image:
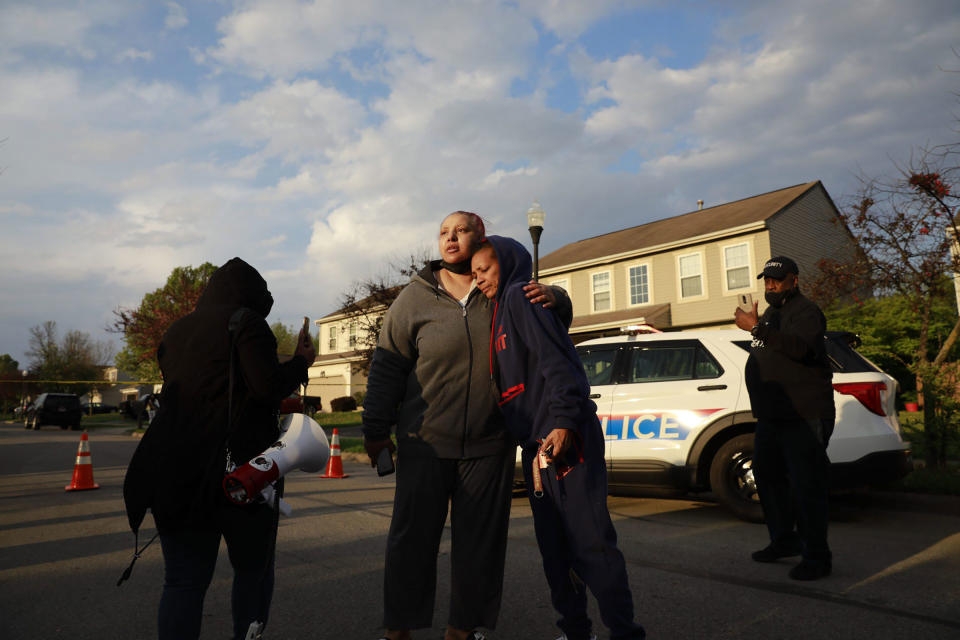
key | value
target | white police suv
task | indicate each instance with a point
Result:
(676, 414)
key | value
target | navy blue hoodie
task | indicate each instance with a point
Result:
(542, 383)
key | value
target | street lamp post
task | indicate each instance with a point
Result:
(23, 391)
(535, 217)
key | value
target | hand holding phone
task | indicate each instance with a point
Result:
(385, 462)
(305, 346)
(745, 302)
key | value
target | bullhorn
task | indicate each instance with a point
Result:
(302, 445)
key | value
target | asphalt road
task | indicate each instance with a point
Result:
(895, 570)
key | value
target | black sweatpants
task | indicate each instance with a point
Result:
(578, 543)
(791, 469)
(190, 556)
(478, 491)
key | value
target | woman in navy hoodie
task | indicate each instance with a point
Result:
(544, 398)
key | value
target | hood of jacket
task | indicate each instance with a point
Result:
(237, 284)
(514, 261)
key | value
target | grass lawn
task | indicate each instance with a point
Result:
(339, 418)
(351, 445)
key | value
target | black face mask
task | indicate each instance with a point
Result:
(460, 268)
(777, 298)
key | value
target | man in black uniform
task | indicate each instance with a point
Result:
(788, 379)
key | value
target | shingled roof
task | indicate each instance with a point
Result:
(675, 229)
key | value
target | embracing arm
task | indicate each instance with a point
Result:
(551, 297)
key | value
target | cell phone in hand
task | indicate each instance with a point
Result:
(745, 302)
(385, 462)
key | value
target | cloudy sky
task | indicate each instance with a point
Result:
(319, 139)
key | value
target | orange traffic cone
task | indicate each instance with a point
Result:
(335, 463)
(82, 469)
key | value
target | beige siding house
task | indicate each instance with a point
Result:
(686, 271)
(337, 372)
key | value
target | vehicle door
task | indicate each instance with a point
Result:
(669, 390)
(600, 365)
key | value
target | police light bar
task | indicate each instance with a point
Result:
(636, 329)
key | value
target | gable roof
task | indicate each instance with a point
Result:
(671, 230)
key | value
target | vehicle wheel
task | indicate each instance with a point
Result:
(731, 478)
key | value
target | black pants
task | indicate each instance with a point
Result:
(791, 468)
(190, 556)
(578, 545)
(479, 492)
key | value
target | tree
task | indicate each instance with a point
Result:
(144, 326)
(286, 338)
(11, 382)
(889, 331)
(8, 364)
(76, 357)
(366, 302)
(906, 227)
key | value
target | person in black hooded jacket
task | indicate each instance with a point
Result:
(545, 400)
(177, 469)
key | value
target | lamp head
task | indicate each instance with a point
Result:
(535, 215)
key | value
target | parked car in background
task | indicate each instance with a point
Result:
(676, 415)
(142, 409)
(294, 403)
(61, 409)
(291, 404)
(89, 408)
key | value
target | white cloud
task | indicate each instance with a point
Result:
(176, 16)
(134, 54)
(284, 37)
(494, 178)
(292, 120)
(120, 175)
(23, 25)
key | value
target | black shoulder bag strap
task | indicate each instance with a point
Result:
(233, 325)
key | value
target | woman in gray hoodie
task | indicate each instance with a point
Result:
(430, 377)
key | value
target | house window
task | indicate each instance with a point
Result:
(639, 285)
(601, 291)
(352, 335)
(691, 276)
(736, 260)
(560, 283)
(332, 338)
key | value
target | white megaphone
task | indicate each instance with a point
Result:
(302, 445)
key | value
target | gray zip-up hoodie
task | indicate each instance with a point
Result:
(430, 375)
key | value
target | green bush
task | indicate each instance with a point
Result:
(944, 481)
(343, 403)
